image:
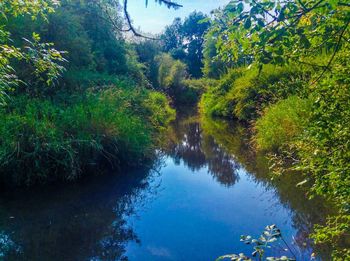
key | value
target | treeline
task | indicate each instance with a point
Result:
(74, 95)
(283, 67)
(174, 62)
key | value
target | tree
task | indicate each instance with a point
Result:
(194, 28)
(283, 31)
(147, 51)
(42, 57)
(184, 40)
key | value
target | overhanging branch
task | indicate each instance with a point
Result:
(132, 29)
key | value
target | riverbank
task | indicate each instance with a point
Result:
(207, 190)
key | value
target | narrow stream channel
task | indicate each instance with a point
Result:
(206, 190)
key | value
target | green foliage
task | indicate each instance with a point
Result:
(282, 123)
(45, 60)
(244, 93)
(147, 51)
(194, 89)
(42, 56)
(213, 66)
(45, 141)
(172, 75)
(176, 75)
(325, 149)
(185, 41)
(279, 32)
(294, 49)
(270, 235)
(59, 124)
(214, 102)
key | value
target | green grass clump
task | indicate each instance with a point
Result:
(281, 123)
(244, 93)
(44, 141)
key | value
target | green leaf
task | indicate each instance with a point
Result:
(247, 23)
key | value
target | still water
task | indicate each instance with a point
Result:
(206, 189)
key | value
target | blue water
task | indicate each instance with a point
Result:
(205, 190)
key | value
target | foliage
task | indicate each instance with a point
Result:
(244, 93)
(282, 123)
(279, 32)
(147, 51)
(97, 114)
(185, 41)
(324, 149)
(213, 66)
(214, 101)
(45, 141)
(194, 90)
(292, 49)
(270, 235)
(44, 58)
(171, 77)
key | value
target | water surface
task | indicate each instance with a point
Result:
(206, 189)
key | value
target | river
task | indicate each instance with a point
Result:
(206, 189)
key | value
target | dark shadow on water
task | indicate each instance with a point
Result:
(82, 221)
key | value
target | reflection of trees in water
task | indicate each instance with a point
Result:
(76, 222)
(305, 213)
(188, 146)
(197, 151)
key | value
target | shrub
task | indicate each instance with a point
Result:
(281, 123)
(325, 151)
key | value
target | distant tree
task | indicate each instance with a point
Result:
(147, 51)
(194, 29)
(185, 41)
(173, 40)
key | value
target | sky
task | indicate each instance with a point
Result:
(155, 17)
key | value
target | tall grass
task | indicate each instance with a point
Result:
(44, 141)
(281, 123)
(244, 93)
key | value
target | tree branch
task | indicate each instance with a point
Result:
(131, 28)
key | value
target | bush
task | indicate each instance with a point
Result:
(281, 123)
(45, 141)
(244, 93)
(325, 151)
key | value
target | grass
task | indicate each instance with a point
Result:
(45, 141)
(244, 93)
(281, 123)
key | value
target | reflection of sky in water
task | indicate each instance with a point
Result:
(201, 219)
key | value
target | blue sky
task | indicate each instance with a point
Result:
(154, 18)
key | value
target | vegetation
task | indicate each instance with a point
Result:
(281, 123)
(281, 67)
(270, 235)
(185, 41)
(72, 111)
(76, 96)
